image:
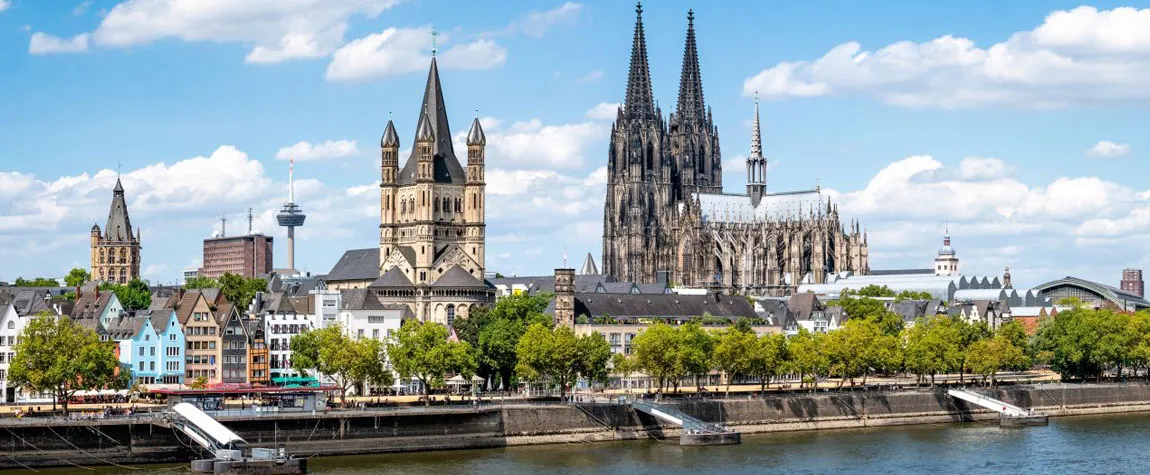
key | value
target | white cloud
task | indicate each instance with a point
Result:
(591, 76)
(1078, 56)
(1106, 149)
(304, 151)
(603, 111)
(4, 4)
(397, 51)
(533, 144)
(43, 43)
(535, 24)
(277, 29)
(82, 7)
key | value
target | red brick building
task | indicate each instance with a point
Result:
(249, 256)
(1132, 282)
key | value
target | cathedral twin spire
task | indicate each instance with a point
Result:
(691, 110)
(640, 103)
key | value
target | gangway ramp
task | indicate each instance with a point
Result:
(695, 431)
(1009, 414)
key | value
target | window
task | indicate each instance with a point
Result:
(211, 345)
(141, 353)
(450, 315)
(141, 366)
(375, 333)
(172, 337)
(359, 333)
(147, 337)
(172, 351)
(152, 366)
(11, 341)
(152, 351)
(11, 325)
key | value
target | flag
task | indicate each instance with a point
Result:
(452, 337)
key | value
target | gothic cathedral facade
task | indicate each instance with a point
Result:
(431, 231)
(115, 250)
(666, 215)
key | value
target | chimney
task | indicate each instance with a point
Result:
(565, 297)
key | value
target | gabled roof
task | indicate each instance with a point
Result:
(659, 305)
(458, 278)
(356, 264)
(126, 327)
(364, 299)
(186, 304)
(801, 305)
(92, 304)
(393, 278)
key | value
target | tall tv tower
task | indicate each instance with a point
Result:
(291, 215)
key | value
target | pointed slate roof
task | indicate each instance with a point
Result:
(446, 168)
(640, 103)
(589, 267)
(390, 138)
(476, 135)
(394, 277)
(356, 264)
(119, 226)
(457, 277)
(691, 108)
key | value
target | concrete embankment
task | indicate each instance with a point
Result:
(31, 444)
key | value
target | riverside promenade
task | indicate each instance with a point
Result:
(30, 442)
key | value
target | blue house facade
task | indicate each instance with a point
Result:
(171, 362)
(151, 346)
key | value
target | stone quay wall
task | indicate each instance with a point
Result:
(31, 443)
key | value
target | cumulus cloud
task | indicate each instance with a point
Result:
(1107, 149)
(4, 4)
(535, 24)
(532, 143)
(43, 43)
(1075, 56)
(397, 51)
(603, 111)
(278, 30)
(304, 151)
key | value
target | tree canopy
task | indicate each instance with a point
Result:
(36, 282)
(55, 355)
(422, 351)
(239, 290)
(76, 277)
(348, 361)
(134, 296)
(200, 282)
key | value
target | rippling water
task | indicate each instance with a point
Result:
(1108, 444)
(1096, 444)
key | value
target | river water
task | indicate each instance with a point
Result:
(1093, 444)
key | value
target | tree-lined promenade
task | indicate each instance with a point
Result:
(514, 345)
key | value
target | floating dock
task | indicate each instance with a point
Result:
(1009, 415)
(695, 431)
(224, 446)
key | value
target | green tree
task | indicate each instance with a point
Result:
(848, 349)
(239, 290)
(37, 282)
(768, 358)
(1083, 342)
(422, 351)
(548, 355)
(498, 341)
(199, 383)
(654, 352)
(968, 334)
(873, 291)
(497, 331)
(933, 346)
(806, 356)
(594, 357)
(693, 350)
(733, 354)
(349, 362)
(134, 296)
(200, 282)
(57, 356)
(988, 356)
(912, 295)
(76, 277)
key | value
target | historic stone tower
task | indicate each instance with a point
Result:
(565, 297)
(431, 231)
(115, 252)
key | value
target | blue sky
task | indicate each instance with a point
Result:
(1020, 123)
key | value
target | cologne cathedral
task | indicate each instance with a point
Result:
(666, 215)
